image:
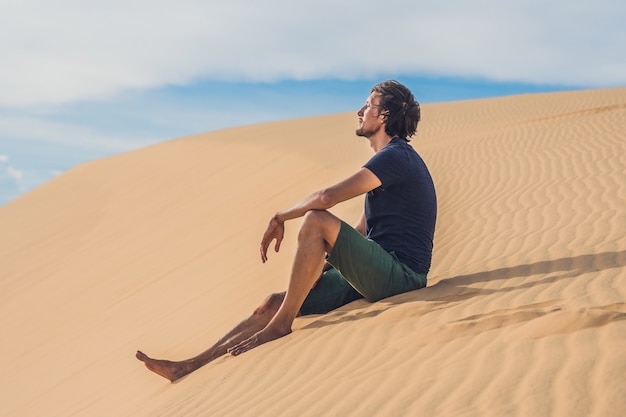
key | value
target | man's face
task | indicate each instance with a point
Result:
(370, 119)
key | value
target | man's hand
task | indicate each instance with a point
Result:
(275, 230)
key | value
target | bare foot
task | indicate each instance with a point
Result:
(266, 335)
(167, 369)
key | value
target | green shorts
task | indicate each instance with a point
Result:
(361, 269)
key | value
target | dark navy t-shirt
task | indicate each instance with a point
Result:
(400, 215)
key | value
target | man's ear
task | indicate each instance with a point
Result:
(385, 114)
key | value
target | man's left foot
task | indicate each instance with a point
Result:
(167, 369)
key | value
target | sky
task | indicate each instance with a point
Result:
(82, 80)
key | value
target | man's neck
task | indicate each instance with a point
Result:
(377, 142)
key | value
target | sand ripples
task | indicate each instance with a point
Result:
(524, 314)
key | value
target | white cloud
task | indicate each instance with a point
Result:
(36, 129)
(15, 181)
(15, 174)
(10, 178)
(58, 51)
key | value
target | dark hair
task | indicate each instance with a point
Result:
(402, 110)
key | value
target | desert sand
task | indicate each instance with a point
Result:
(158, 250)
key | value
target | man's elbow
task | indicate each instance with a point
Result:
(327, 199)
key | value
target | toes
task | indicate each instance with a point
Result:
(241, 347)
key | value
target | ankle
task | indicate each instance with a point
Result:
(278, 328)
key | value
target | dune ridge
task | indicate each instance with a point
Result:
(157, 249)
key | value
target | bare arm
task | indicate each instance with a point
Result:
(359, 183)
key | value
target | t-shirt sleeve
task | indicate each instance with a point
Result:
(388, 165)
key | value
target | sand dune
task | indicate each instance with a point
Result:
(157, 249)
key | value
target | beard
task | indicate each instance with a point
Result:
(366, 132)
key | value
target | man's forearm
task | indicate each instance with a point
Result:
(357, 184)
(314, 201)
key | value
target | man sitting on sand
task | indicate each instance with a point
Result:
(388, 252)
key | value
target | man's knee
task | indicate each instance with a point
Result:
(316, 217)
(319, 221)
(271, 303)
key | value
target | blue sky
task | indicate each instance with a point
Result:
(84, 80)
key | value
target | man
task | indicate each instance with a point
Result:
(387, 253)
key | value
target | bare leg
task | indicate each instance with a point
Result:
(258, 320)
(317, 237)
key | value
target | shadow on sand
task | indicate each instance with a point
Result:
(456, 289)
